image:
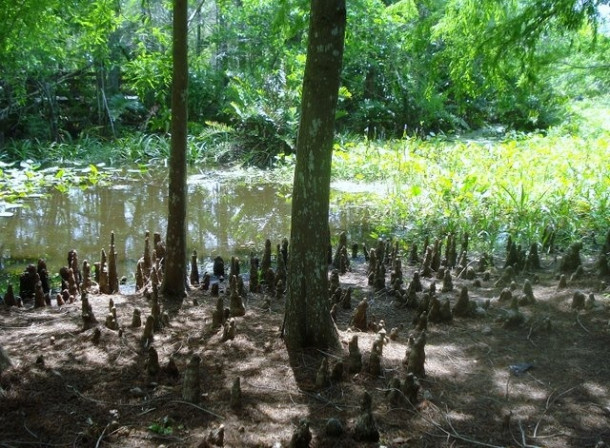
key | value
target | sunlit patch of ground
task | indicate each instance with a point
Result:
(65, 390)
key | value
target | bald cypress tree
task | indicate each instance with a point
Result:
(174, 280)
(307, 320)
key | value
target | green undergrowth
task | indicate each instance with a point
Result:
(519, 185)
(28, 168)
(146, 150)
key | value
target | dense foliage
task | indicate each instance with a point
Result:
(99, 68)
(531, 189)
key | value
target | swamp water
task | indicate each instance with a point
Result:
(226, 216)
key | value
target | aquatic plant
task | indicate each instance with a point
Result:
(27, 178)
(516, 186)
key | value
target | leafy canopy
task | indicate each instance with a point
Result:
(410, 66)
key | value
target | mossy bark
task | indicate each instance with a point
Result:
(174, 284)
(308, 321)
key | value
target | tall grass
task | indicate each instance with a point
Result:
(518, 186)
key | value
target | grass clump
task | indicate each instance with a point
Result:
(518, 186)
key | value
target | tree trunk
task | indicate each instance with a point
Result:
(174, 281)
(5, 361)
(307, 320)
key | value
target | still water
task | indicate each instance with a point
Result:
(226, 216)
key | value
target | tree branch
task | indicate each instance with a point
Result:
(197, 10)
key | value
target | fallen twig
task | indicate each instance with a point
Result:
(453, 433)
(390, 389)
(547, 406)
(99, 439)
(529, 336)
(320, 398)
(466, 268)
(535, 379)
(28, 430)
(581, 325)
(458, 436)
(524, 443)
(198, 407)
(77, 392)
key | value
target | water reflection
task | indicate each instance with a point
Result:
(225, 217)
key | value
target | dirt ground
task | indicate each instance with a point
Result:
(63, 389)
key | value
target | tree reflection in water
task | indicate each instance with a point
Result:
(224, 218)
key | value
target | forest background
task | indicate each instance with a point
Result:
(480, 118)
(102, 69)
(432, 91)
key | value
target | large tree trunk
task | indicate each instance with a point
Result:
(307, 320)
(174, 281)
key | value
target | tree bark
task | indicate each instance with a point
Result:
(307, 320)
(174, 280)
